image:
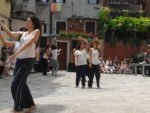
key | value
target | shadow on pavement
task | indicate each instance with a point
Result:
(49, 108)
(39, 85)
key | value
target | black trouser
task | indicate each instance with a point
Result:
(20, 91)
(44, 66)
(1, 70)
(81, 73)
(147, 70)
(94, 70)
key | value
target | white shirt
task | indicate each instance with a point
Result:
(82, 57)
(102, 63)
(28, 52)
(54, 54)
(16, 46)
(94, 56)
(45, 56)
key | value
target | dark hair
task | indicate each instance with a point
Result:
(46, 47)
(91, 44)
(53, 47)
(37, 25)
(79, 45)
(23, 29)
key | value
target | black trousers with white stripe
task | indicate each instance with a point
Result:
(20, 91)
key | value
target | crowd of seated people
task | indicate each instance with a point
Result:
(5, 64)
(126, 66)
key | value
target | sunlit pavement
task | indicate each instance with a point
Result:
(57, 94)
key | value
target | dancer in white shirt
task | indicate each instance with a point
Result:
(81, 61)
(94, 62)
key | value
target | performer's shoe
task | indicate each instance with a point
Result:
(32, 108)
(12, 111)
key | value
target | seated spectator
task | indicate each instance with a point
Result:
(103, 66)
(109, 65)
(124, 67)
(131, 65)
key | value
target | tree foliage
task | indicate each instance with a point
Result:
(129, 30)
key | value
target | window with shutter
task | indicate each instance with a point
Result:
(42, 1)
(59, 1)
(90, 27)
(93, 1)
(60, 26)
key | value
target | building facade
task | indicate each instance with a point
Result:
(75, 11)
(72, 15)
(5, 13)
(125, 4)
(58, 15)
(24, 8)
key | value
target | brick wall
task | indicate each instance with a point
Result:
(122, 50)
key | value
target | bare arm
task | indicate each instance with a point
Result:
(76, 59)
(85, 41)
(90, 55)
(10, 33)
(33, 39)
(10, 44)
(58, 52)
(99, 42)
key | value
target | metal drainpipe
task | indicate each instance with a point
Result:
(51, 19)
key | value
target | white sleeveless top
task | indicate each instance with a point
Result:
(45, 56)
(28, 52)
(82, 57)
(95, 57)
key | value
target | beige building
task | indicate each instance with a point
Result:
(5, 13)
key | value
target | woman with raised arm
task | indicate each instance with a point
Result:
(81, 61)
(94, 61)
(25, 56)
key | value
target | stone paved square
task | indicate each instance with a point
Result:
(118, 94)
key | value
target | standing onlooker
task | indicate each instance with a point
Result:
(94, 62)
(102, 65)
(81, 61)
(54, 62)
(44, 59)
(147, 61)
(1, 68)
(109, 65)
